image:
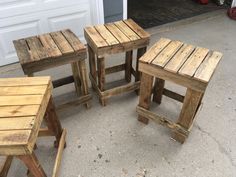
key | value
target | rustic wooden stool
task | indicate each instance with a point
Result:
(24, 102)
(112, 38)
(183, 64)
(50, 50)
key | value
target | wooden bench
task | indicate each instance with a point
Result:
(112, 38)
(38, 53)
(183, 64)
(24, 103)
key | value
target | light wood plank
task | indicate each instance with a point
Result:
(94, 36)
(19, 123)
(119, 35)
(12, 138)
(106, 34)
(24, 90)
(167, 53)
(20, 100)
(207, 68)
(23, 81)
(127, 31)
(22, 51)
(178, 60)
(137, 29)
(190, 66)
(61, 42)
(154, 50)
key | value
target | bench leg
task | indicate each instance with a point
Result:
(145, 94)
(84, 80)
(190, 106)
(158, 90)
(6, 166)
(128, 65)
(140, 53)
(101, 77)
(76, 75)
(92, 65)
(53, 122)
(33, 165)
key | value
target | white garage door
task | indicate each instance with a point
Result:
(22, 18)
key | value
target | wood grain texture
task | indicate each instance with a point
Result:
(120, 36)
(106, 34)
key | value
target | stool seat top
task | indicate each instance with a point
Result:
(50, 48)
(182, 59)
(23, 102)
(116, 37)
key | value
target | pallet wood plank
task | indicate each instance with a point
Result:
(106, 34)
(167, 53)
(120, 36)
(191, 65)
(137, 29)
(13, 138)
(24, 81)
(178, 60)
(19, 123)
(208, 67)
(20, 100)
(127, 31)
(61, 42)
(154, 50)
(22, 51)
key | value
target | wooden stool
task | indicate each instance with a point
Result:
(183, 64)
(24, 102)
(112, 38)
(50, 50)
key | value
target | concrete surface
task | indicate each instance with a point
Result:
(110, 142)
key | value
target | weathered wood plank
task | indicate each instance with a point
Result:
(14, 138)
(22, 51)
(19, 123)
(25, 81)
(20, 100)
(119, 35)
(106, 34)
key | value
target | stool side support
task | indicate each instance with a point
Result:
(128, 65)
(101, 77)
(158, 90)
(76, 76)
(92, 64)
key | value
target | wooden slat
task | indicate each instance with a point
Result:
(106, 34)
(22, 81)
(208, 67)
(19, 123)
(20, 100)
(22, 50)
(73, 40)
(50, 46)
(23, 90)
(154, 50)
(178, 60)
(15, 111)
(167, 53)
(121, 37)
(127, 31)
(95, 37)
(61, 42)
(36, 48)
(137, 29)
(193, 62)
(12, 138)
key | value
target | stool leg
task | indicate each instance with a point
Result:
(158, 90)
(92, 64)
(53, 122)
(84, 80)
(128, 65)
(190, 106)
(145, 94)
(6, 166)
(76, 75)
(140, 53)
(33, 165)
(101, 77)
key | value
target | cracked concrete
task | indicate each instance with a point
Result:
(110, 142)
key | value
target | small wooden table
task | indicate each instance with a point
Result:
(38, 53)
(112, 38)
(183, 64)
(24, 103)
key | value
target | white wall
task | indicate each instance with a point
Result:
(234, 3)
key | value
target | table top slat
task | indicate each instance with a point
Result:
(106, 34)
(191, 65)
(61, 42)
(20, 100)
(167, 53)
(137, 29)
(119, 35)
(127, 30)
(19, 123)
(154, 50)
(207, 68)
(23, 81)
(178, 60)
(22, 51)
(14, 138)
